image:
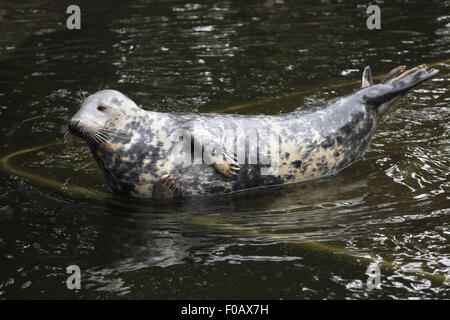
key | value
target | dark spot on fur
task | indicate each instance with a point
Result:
(327, 143)
(297, 163)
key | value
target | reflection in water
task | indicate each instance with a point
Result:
(310, 240)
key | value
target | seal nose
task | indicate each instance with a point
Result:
(74, 126)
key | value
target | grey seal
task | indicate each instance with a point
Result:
(170, 156)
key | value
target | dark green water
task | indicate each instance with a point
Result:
(392, 208)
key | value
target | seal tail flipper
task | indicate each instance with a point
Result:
(396, 84)
(367, 80)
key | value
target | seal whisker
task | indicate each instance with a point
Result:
(111, 130)
(114, 133)
(94, 137)
(68, 138)
(82, 94)
(102, 136)
(89, 136)
(99, 138)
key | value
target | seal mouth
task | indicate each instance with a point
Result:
(95, 134)
(77, 128)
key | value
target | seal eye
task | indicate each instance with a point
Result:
(101, 108)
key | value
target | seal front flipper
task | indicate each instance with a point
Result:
(166, 188)
(215, 153)
(228, 168)
(367, 80)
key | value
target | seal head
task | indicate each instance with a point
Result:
(101, 116)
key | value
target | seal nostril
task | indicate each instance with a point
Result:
(74, 126)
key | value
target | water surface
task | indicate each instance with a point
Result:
(311, 240)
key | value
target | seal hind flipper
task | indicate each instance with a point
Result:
(393, 73)
(227, 161)
(166, 188)
(383, 95)
(367, 80)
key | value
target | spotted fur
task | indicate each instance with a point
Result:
(312, 145)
